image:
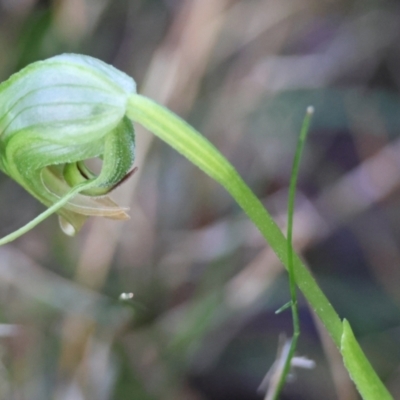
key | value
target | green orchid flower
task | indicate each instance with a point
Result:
(57, 113)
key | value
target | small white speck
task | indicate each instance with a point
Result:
(66, 227)
(310, 110)
(126, 296)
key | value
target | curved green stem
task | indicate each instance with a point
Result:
(45, 214)
(186, 140)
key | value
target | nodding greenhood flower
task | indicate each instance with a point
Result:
(54, 115)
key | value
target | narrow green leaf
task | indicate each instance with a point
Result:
(361, 372)
(290, 267)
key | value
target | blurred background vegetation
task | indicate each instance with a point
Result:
(201, 324)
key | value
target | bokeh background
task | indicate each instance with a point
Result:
(202, 323)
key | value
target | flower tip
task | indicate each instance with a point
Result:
(121, 215)
(66, 227)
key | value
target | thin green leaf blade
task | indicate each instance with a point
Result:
(361, 372)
